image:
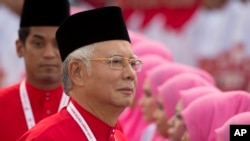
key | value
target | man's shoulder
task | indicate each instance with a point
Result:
(9, 93)
(9, 89)
(52, 128)
(53, 123)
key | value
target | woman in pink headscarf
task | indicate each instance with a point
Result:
(207, 113)
(157, 76)
(169, 95)
(152, 47)
(131, 119)
(223, 133)
(186, 97)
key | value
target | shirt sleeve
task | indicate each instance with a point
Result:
(31, 136)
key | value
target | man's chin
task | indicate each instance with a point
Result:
(50, 78)
(128, 102)
(125, 104)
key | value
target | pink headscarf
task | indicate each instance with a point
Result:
(149, 62)
(152, 47)
(131, 120)
(223, 131)
(207, 113)
(164, 72)
(188, 96)
(170, 90)
(136, 38)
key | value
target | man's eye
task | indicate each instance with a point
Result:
(133, 62)
(116, 61)
(37, 43)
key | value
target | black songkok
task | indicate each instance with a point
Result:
(44, 12)
(92, 26)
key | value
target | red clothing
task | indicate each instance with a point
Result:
(12, 120)
(62, 127)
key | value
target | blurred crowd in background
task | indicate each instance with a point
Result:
(202, 45)
(210, 34)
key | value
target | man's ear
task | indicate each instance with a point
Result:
(19, 48)
(77, 72)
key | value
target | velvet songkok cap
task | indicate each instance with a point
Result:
(92, 26)
(44, 12)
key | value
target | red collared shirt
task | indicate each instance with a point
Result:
(12, 120)
(62, 127)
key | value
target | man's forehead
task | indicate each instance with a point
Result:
(43, 28)
(43, 31)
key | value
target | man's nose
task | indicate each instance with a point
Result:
(130, 73)
(50, 51)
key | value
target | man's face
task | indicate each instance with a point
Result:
(109, 86)
(41, 54)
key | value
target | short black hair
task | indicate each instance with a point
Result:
(23, 33)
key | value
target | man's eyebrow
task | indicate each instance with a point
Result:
(118, 54)
(115, 54)
(38, 36)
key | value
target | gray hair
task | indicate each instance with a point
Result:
(84, 53)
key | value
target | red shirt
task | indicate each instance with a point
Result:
(12, 119)
(62, 127)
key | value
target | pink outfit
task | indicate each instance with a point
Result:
(157, 137)
(153, 47)
(170, 90)
(223, 131)
(164, 72)
(131, 120)
(207, 113)
(188, 96)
